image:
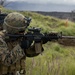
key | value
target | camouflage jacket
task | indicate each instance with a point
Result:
(9, 57)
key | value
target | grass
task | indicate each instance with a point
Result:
(56, 59)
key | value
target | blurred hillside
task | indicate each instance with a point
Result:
(56, 59)
(47, 23)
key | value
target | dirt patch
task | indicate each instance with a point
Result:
(67, 42)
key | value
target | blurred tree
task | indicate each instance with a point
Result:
(4, 3)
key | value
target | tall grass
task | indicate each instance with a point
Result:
(56, 60)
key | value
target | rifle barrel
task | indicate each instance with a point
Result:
(68, 37)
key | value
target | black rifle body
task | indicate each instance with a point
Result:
(34, 34)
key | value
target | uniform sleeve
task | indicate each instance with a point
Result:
(34, 51)
(9, 57)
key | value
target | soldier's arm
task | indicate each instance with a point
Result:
(9, 57)
(34, 50)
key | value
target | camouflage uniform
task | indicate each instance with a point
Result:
(12, 56)
(9, 57)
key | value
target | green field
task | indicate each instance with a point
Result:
(56, 59)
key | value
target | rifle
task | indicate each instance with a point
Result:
(34, 34)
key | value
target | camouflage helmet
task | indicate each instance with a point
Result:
(14, 22)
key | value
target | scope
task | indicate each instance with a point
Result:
(34, 29)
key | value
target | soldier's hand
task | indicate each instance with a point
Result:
(25, 44)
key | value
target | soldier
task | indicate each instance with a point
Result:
(13, 52)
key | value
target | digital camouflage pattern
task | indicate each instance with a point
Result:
(14, 22)
(19, 66)
(11, 57)
(8, 57)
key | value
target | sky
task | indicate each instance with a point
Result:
(68, 2)
(42, 5)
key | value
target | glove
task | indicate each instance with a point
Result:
(31, 52)
(25, 44)
(45, 39)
